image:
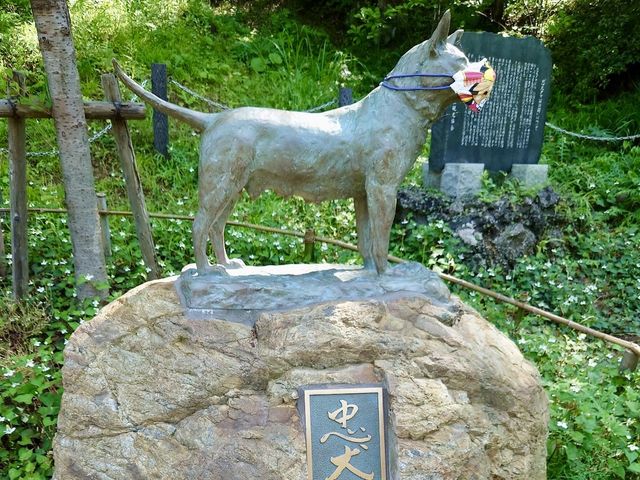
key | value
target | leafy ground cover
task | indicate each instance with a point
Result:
(590, 275)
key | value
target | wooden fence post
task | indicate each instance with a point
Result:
(3, 261)
(101, 198)
(160, 120)
(629, 361)
(18, 200)
(309, 254)
(132, 179)
(345, 97)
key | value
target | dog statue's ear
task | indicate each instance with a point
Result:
(439, 36)
(455, 37)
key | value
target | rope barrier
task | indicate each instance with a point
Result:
(55, 151)
(208, 101)
(591, 137)
(631, 347)
(334, 102)
(322, 107)
(222, 106)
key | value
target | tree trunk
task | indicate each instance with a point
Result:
(56, 44)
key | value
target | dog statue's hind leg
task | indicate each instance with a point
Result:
(363, 226)
(222, 174)
(201, 226)
(215, 207)
(216, 235)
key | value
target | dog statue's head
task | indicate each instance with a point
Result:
(425, 73)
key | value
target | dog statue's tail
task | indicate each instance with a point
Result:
(197, 120)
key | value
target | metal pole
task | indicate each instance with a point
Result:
(345, 97)
(160, 120)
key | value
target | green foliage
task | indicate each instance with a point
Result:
(591, 42)
(526, 17)
(433, 245)
(18, 323)
(32, 337)
(592, 407)
(390, 28)
(30, 399)
(594, 431)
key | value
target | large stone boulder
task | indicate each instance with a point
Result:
(152, 393)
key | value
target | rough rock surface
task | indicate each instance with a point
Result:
(495, 233)
(151, 394)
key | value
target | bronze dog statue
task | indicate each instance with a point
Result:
(363, 150)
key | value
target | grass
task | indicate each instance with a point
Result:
(591, 276)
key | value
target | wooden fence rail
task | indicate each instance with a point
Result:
(92, 110)
(632, 350)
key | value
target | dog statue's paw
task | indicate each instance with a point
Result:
(235, 263)
(212, 270)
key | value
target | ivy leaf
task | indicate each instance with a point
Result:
(577, 437)
(631, 456)
(275, 58)
(24, 398)
(258, 64)
(572, 451)
(616, 467)
(24, 454)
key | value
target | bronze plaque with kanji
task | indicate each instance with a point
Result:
(345, 430)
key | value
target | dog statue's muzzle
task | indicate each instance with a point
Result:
(473, 84)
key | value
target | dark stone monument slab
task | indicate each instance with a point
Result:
(510, 128)
(345, 428)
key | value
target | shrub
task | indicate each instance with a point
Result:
(593, 43)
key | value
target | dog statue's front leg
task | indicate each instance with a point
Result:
(381, 203)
